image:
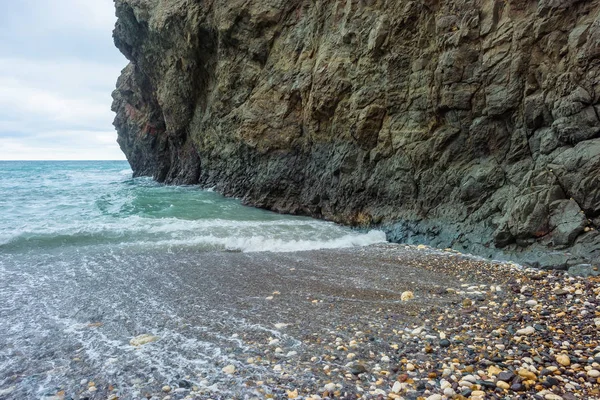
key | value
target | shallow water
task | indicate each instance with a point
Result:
(90, 258)
(72, 205)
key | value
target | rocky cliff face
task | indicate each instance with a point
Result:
(464, 123)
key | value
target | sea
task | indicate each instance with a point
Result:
(91, 258)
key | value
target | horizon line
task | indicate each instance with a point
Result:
(91, 159)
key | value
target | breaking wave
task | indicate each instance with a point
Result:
(81, 205)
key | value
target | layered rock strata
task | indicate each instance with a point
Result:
(471, 124)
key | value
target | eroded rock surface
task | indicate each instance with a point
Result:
(466, 123)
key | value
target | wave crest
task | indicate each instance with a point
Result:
(210, 234)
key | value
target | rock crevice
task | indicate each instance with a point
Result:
(470, 124)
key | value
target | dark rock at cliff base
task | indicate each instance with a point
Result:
(567, 221)
(471, 124)
(584, 270)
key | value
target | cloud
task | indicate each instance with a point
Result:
(42, 16)
(61, 145)
(51, 29)
(61, 74)
(58, 67)
(86, 14)
(31, 103)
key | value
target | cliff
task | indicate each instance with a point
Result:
(465, 123)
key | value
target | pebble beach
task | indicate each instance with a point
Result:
(380, 322)
(503, 332)
(484, 331)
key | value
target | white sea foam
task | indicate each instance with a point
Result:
(263, 243)
(282, 235)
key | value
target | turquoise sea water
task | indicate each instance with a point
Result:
(73, 204)
(91, 258)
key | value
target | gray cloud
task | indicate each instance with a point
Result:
(58, 67)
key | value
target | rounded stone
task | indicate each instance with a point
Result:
(563, 360)
(503, 385)
(406, 296)
(330, 387)
(230, 369)
(506, 376)
(517, 387)
(593, 373)
(357, 369)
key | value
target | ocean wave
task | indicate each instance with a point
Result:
(139, 225)
(254, 244)
(210, 234)
(99, 204)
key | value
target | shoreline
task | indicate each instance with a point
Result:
(462, 238)
(336, 324)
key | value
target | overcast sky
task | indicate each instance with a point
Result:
(58, 67)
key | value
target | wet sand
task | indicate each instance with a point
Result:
(317, 324)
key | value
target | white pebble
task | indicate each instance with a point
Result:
(526, 331)
(417, 331)
(406, 296)
(445, 384)
(230, 369)
(330, 387)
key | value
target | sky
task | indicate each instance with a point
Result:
(58, 67)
